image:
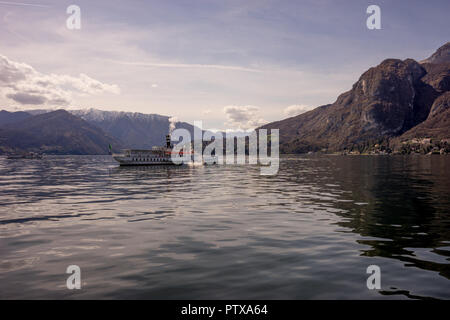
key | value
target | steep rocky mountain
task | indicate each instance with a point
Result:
(436, 125)
(387, 101)
(133, 129)
(390, 105)
(441, 55)
(56, 132)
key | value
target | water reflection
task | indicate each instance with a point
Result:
(226, 231)
(407, 212)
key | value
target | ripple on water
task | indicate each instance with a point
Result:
(225, 231)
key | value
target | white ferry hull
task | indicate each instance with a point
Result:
(126, 161)
(155, 157)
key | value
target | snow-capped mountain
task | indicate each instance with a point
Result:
(133, 129)
(92, 114)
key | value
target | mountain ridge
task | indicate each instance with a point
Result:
(55, 132)
(134, 129)
(390, 106)
(387, 101)
(125, 129)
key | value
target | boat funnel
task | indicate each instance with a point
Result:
(168, 142)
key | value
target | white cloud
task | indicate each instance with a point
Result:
(296, 109)
(107, 50)
(24, 85)
(9, 3)
(243, 117)
(187, 65)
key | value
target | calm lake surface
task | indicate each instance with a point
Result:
(221, 232)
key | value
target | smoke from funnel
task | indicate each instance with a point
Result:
(172, 122)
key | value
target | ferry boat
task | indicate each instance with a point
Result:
(155, 156)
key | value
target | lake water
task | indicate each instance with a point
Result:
(219, 232)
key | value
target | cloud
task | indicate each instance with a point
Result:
(23, 84)
(296, 109)
(243, 117)
(24, 98)
(24, 4)
(187, 65)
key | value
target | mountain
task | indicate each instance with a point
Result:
(133, 129)
(387, 101)
(56, 132)
(122, 129)
(442, 55)
(437, 124)
(391, 105)
(11, 117)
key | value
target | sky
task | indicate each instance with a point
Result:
(231, 64)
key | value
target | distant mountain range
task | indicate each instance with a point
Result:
(81, 131)
(56, 132)
(391, 105)
(133, 129)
